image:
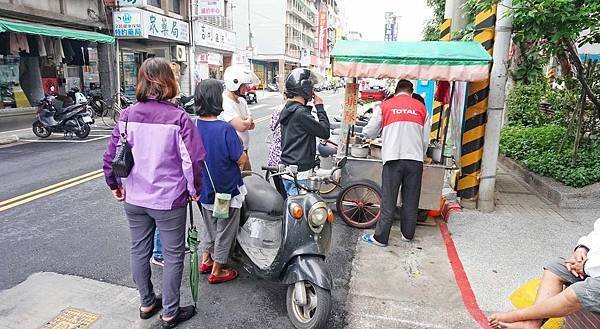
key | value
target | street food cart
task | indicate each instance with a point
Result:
(428, 60)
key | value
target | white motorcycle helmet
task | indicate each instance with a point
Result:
(237, 75)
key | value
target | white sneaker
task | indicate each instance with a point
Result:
(403, 238)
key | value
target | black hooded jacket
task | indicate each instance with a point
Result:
(299, 131)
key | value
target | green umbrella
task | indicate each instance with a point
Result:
(192, 241)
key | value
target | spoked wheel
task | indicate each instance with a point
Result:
(359, 204)
(40, 131)
(315, 313)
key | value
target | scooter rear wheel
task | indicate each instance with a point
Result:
(40, 131)
(315, 313)
(84, 132)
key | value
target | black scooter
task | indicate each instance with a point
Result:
(70, 120)
(287, 241)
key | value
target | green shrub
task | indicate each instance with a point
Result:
(523, 105)
(537, 150)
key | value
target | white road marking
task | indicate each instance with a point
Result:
(14, 131)
(97, 137)
(256, 107)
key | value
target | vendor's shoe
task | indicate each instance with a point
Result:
(205, 269)
(368, 238)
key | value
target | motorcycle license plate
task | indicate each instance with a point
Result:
(87, 119)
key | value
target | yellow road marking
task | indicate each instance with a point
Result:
(28, 197)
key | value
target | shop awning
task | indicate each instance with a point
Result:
(8, 25)
(425, 60)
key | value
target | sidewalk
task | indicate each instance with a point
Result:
(502, 250)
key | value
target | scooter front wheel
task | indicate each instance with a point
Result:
(40, 131)
(308, 305)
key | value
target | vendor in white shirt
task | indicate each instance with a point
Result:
(235, 109)
(580, 274)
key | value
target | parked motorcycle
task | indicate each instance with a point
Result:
(186, 102)
(52, 117)
(287, 242)
(271, 86)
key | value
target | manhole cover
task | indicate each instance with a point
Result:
(71, 318)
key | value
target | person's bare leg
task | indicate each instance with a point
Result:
(218, 270)
(206, 259)
(557, 306)
(550, 286)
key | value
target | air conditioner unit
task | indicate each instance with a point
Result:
(178, 53)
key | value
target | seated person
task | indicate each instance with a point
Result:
(581, 276)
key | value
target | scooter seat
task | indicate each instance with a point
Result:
(262, 197)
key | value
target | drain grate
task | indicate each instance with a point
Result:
(71, 318)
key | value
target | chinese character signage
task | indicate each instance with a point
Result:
(141, 24)
(131, 3)
(166, 27)
(323, 30)
(211, 7)
(350, 104)
(128, 24)
(213, 37)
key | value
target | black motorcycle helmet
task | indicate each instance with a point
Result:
(301, 82)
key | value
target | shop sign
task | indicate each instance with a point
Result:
(213, 37)
(131, 3)
(166, 27)
(211, 7)
(350, 104)
(212, 59)
(305, 57)
(323, 30)
(128, 24)
(140, 24)
(241, 57)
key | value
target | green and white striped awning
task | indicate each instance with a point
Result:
(10, 25)
(425, 60)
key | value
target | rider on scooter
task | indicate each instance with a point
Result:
(299, 129)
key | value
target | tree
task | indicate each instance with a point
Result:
(431, 32)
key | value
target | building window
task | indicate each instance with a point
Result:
(155, 3)
(176, 6)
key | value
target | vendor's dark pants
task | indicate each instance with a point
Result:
(396, 173)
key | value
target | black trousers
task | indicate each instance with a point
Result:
(406, 174)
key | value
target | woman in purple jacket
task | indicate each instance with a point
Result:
(168, 156)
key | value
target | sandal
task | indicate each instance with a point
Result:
(154, 310)
(205, 269)
(231, 275)
(183, 314)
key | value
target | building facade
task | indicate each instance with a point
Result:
(51, 46)
(273, 34)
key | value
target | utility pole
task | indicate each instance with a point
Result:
(495, 110)
(459, 19)
(250, 39)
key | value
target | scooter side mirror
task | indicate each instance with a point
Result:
(342, 163)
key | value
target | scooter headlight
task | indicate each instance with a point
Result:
(317, 216)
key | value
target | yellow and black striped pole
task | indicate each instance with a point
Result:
(436, 127)
(475, 116)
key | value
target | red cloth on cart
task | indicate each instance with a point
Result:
(442, 92)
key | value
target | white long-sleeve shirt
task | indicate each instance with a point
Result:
(404, 126)
(592, 242)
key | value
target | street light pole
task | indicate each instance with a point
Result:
(495, 109)
(250, 38)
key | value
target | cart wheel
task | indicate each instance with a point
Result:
(359, 204)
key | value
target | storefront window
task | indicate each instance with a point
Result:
(175, 6)
(130, 63)
(9, 77)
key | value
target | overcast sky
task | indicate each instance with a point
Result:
(367, 17)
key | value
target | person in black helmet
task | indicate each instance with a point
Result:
(299, 129)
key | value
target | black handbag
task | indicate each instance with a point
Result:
(123, 161)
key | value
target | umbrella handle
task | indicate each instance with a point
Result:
(191, 213)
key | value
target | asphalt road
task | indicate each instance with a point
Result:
(81, 231)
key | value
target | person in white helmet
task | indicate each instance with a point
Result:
(235, 109)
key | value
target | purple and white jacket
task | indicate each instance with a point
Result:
(168, 154)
